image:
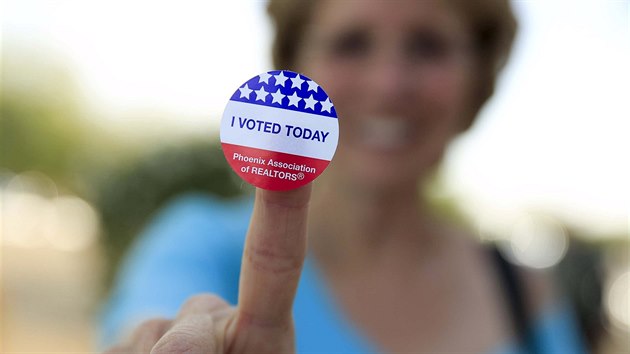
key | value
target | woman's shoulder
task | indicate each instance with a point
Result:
(195, 242)
(194, 218)
(191, 246)
(205, 209)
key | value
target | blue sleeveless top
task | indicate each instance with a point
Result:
(195, 245)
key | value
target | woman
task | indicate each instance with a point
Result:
(383, 275)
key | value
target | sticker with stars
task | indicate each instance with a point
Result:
(279, 130)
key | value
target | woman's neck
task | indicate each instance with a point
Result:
(349, 225)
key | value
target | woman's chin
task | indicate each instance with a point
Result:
(377, 170)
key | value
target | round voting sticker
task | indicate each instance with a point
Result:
(279, 130)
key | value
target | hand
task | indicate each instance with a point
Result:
(262, 322)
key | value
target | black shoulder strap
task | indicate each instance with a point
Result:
(514, 294)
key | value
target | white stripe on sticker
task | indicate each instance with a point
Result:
(281, 130)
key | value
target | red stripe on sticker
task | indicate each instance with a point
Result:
(272, 170)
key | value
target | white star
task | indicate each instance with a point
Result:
(264, 78)
(310, 103)
(245, 91)
(312, 86)
(277, 97)
(294, 99)
(326, 105)
(280, 79)
(261, 94)
(297, 82)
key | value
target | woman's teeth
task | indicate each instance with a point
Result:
(385, 134)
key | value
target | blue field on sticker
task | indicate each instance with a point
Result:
(287, 90)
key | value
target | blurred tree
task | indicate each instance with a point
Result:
(40, 127)
(44, 127)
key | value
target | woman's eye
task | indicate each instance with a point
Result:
(355, 44)
(428, 46)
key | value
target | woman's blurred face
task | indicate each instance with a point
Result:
(399, 74)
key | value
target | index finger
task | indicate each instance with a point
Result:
(273, 256)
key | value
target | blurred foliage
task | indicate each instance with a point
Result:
(45, 126)
(127, 198)
(40, 127)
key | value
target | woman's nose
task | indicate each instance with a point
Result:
(390, 78)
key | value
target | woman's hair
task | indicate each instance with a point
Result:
(492, 24)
